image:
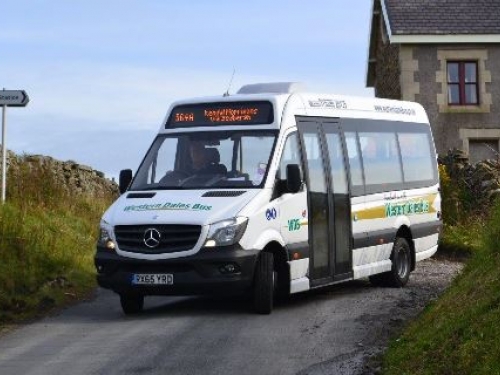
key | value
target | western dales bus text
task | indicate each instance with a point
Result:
(169, 207)
(407, 208)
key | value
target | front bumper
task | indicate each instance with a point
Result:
(199, 274)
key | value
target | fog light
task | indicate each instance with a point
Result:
(229, 268)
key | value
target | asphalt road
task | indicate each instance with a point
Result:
(329, 331)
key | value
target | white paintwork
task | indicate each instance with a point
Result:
(272, 88)
(424, 245)
(371, 254)
(426, 242)
(371, 269)
(299, 268)
(426, 254)
(299, 285)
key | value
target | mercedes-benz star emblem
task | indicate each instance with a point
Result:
(152, 238)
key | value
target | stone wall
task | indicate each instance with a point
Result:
(69, 175)
(480, 181)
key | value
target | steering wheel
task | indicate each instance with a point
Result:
(181, 174)
(174, 176)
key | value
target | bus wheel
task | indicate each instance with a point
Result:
(263, 288)
(131, 303)
(399, 275)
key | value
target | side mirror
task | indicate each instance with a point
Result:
(293, 180)
(125, 179)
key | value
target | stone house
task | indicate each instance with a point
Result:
(444, 54)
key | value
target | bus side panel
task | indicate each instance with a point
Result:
(383, 214)
(370, 256)
(395, 187)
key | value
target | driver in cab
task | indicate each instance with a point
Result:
(205, 162)
(199, 157)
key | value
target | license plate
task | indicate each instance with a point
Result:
(152, 279)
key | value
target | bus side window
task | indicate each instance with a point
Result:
(337, 167)
(354, 159)
(290, 155)
(416, 155)
(380, 158)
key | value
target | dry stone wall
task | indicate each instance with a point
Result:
(481, 180)
(73, 177)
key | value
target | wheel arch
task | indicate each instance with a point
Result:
(281, 265)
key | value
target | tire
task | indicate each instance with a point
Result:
(399, 275)
(131, 303)
(263, 286)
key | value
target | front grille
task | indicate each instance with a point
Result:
(173, 238)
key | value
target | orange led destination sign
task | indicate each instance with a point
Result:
(229, 113)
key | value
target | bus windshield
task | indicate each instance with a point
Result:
(206, 160)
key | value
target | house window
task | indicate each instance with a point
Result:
(462, 83)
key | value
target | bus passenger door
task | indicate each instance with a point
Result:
(328, 200)
(320, 266)
(339, 194)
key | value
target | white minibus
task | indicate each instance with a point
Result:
(273, 191)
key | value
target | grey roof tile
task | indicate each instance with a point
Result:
(417, 17)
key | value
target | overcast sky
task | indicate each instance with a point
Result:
(101, 74)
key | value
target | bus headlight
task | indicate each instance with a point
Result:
(226, 232)
(105, 239)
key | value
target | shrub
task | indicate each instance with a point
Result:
(47, 239)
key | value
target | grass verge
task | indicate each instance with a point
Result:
(47, 242)
(459, 333)
(460, 241)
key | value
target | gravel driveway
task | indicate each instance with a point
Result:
(335, 330)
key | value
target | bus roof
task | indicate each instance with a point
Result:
(298, 103)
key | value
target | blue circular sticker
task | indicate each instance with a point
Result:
(271, 214)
